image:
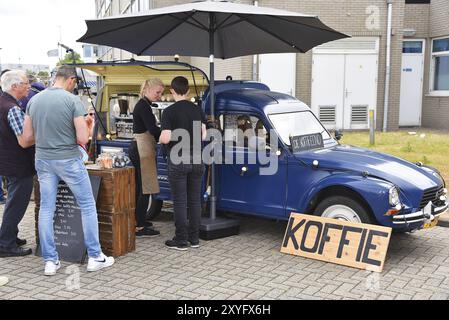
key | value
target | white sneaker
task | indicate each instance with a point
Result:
(3, 280)
(99, 263)
(51, 267)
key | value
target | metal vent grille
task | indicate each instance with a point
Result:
(350, 44)
(327, 114)
(432, 194)
(359, 114)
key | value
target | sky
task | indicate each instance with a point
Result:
(30, 28)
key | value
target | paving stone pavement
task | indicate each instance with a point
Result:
(247, 266)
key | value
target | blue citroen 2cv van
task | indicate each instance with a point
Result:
(330, 179)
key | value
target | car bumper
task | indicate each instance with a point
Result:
(427, 214)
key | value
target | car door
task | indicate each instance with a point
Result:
(243, 185)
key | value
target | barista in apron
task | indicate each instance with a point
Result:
(143, 154)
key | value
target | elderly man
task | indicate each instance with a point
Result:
(16, 162)
(58, 121)
(2, 195)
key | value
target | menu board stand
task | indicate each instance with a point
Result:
(68, 227)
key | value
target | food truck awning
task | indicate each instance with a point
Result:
(136, 72)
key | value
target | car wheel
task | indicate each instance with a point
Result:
(345, 209)
(154, 208)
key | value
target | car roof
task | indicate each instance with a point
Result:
(249, 100)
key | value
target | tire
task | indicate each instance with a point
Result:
(344, 208)
(154, 208)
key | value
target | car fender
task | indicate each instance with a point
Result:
(373, 191)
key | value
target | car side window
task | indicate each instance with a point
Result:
(245, 131)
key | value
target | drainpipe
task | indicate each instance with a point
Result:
(387, 66)
(255, 57)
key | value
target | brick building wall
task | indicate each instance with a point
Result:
(436, 108)
(439, 18)
(417, 17)
(350, 17)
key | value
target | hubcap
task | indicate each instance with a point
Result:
(341, 212)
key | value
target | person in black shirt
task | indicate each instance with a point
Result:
(143, 153)
(183, 123)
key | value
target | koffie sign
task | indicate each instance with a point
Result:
(357, 245)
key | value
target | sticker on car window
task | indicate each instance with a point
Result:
(307, 142)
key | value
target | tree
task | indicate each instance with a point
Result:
(68, 59)
(30, 73)
(43, 74)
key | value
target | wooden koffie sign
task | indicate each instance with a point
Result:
(357, 245)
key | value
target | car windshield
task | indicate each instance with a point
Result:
(298, 124)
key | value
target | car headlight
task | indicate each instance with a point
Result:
(393, 196)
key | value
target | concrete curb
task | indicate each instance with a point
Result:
(444, 220)
(443, 223)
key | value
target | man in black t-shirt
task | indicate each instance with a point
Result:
(183, 129)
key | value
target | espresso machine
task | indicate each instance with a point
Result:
(122, 115)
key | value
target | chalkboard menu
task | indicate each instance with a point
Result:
(68, 227)
(306, 142)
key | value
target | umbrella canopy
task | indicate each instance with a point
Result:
(238, 30)
(219, 29)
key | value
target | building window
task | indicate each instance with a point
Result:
(440, 66)
(412, 47)
(90, 51)
(108, 4)
(87, 51)
(417, 1)
(100, 10)
(105, 8)
(144, 5)
(127, 9)
(134, 6)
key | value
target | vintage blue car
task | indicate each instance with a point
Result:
(332, 180)
(326, 178)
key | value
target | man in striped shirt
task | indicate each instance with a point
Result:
(2, 195)
(16, 162)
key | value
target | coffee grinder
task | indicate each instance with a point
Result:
(124, 121)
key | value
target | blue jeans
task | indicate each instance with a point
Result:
(74, 174)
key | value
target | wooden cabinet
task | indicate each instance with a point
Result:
(116, 204)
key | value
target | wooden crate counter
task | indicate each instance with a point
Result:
(115, 206)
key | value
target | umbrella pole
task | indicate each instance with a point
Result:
(213, 197)
(213, 227)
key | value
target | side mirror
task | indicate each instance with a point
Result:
(338, 135)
